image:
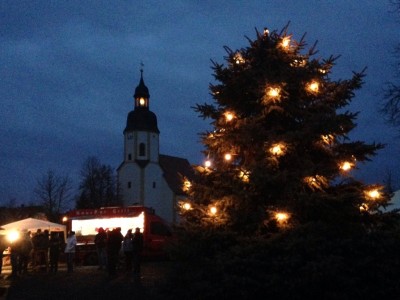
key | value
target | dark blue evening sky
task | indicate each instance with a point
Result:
(69, 69)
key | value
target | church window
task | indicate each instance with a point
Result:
(129, 156)
(129, 184)
(142, 149)
(154, 184)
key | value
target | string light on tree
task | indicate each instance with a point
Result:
(373, 194)
(213, 210)
(207, 163)
(244, 175)
(328, 139)
(346, 166)
(238, 58)
(229, 116)
(187, 185)
(281, 217)
(285, 44)
(186, 206)
(272, 94)
(228, 157)
(278, 149)
(313, 87)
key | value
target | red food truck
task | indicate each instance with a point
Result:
(86, 223)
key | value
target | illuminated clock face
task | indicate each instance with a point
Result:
(142, 101)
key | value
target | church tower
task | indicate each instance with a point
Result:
(146, 177)
(141, 148)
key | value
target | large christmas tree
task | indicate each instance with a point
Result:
(276, 212)
(279, 153)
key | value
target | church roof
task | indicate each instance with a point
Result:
(175, 169)
(142, 120)
(141, 90)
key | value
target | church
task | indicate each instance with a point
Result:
(145, 176)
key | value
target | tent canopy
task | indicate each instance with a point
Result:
(34, 224)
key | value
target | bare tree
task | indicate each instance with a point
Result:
(54, 192)
(391, 105)
(98, 185)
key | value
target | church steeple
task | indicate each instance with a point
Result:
(141, 118)
(141, 95)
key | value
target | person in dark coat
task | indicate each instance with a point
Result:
(137, 249)
(114, 241)
(128, 250)
(25, 252)
(100, 241)
(56, 244)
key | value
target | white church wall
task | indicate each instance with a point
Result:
(130, 173)
(157, 192)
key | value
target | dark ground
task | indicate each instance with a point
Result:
(86, 282)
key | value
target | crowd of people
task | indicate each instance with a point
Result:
(42, 249)
(109, 245)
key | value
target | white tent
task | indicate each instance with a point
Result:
(32, 225)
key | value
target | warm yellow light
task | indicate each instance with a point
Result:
(64, 219)
(273, 92)
(228, 156)
(327, 139)
(239, 58)
(229, 116)
(277, 149)
(186, 206)
(316, 182)
(364, 207)
(266, 31)
(207, 163)
(244, 176)
(313, 87)
(373, 194)
(142, 101)
(322, 71)
(285, 42)
(281, 217)
(346, 166)
(213, 210)
(187, 185)
(12, 236)
(299, 63)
